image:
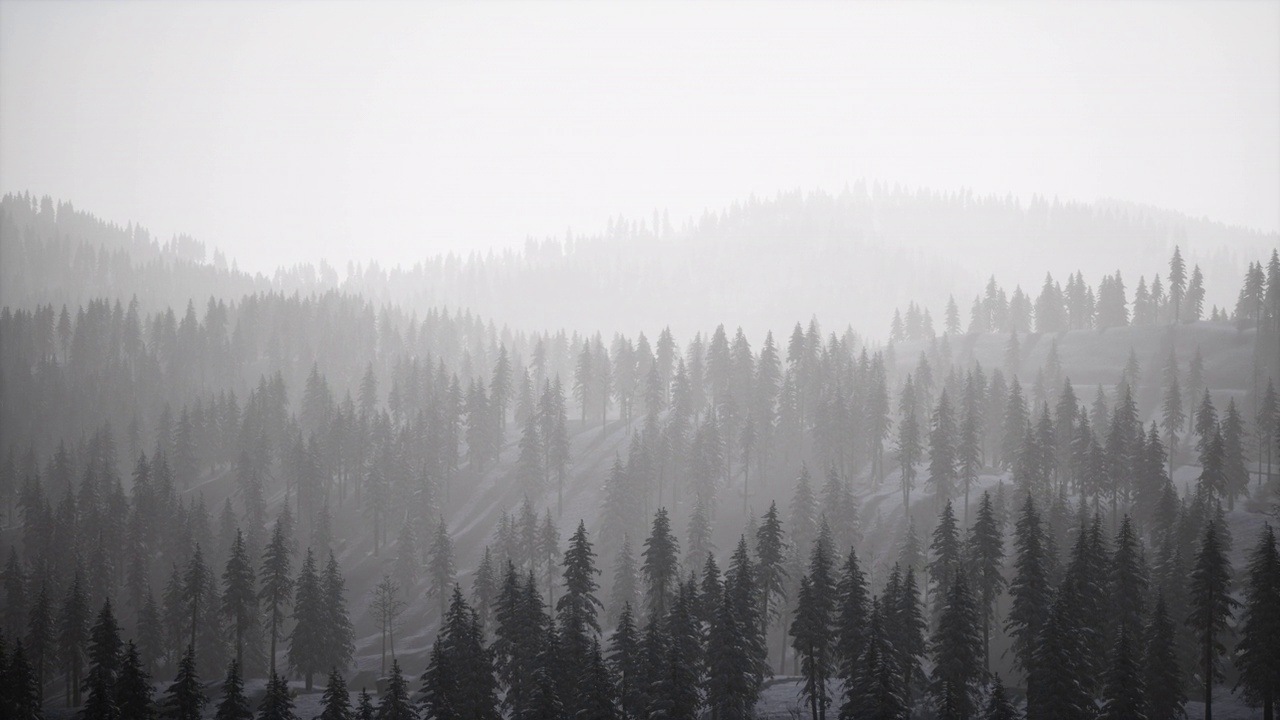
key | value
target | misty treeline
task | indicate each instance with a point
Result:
(762, 260)
(185, 495)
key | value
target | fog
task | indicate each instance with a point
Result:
(749, 361)
(285, 132)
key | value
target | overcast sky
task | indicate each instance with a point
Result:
(292, 131)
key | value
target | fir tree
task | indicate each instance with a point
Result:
(336, 701)
(578, 608)
(22, 690)
(999, 706)
(771, 573)
(1127, 580)
(1123, 696)
(311, 623)
(942, 450)
(850, 618)
(104, 668)
(73, 632)
(440, 567)
(277, 703)
(625, 663)
(1057, 682)
(660, 567)
(1257, 655)
(277, 587)
(596, 691)
(459, 680)
(947, 558)
(234, 705)
(1030, 586)
(876, 691)
(1211, 607)
(395, 704)
(957, 649)
(185, 698)
(986, 561)
(339, 639)
(239, 596)
(133, 689)
(365, 709)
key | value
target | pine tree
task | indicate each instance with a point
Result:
(905, 626)
(234, 705)
(1057, 681)
(876, 691)
(1234, 470)
(986, 561)
(185, 699)
(396, 704)
(339, 640)
(1257, 655)
(104, 668)
(957, 648)
(999, 707)
(336, 701)
(660, 568)
(1123, 696)
(850, 618)
(311, 623)
(23, 690)
(596, 692)
(1030, 586)
(578, 608)
(947, 558)
(1211, 606)
(440, 567)
(1127, 580)
(909, 446)
(277, 587)
(459, 680)
(625, 662)
(365, 709)
(729, 669)
(277, 703)
(810, 631)
(771, 573)
(133, 691)
(1162, 677)
(239, 596)
(73, 632)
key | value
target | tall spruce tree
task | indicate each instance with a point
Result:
(625, 664)
(440, 566)
(133, 689)
(1257, 655)
(339, 640)
(104, 668)
(311, 623)
(233, 705)
(661, 564)
(73, 633)
(1030, 589)
(395, 703)
(277, 588)
(1123, 697)
(239, 596)
(277, 703)
(185, 698)
(335, 704)
(578, 608)
(957, 649)
(1211, 609)
(985, 550)
(850, 617)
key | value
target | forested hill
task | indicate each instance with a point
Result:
(848, 258)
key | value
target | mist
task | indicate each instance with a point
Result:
(420, 361)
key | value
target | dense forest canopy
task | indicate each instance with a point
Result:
(985, 502)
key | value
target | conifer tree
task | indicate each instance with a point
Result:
(234, 705)
(365, 709)
(339, 640)
(578, 608)
(1211, 608)
(459, 680)
(942, 450)
(1123, 696)
(440, 567)
(185, 698)
(905, 627)
(104, 668)
(1030, 588)
(947, 558)
(596, 691)
(625, 663)
(335, 704)
(986, 562)
(909, 446)
(660, 568)
(133, 691)
(1162, 676)
(730, 672)
(484, 588)
(1257, 655)
(277, 703)
(771, 573)
(876, 690)
(999, 706)
(311, 623)
(73, 633)
(957, 649)
(277, 587)
(850, 618)
(395, 704)
(1127, 580)
(1057, 681)
(239, 596)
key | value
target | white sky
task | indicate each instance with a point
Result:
(293, 131)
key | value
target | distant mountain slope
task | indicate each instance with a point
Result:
(848, 258)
